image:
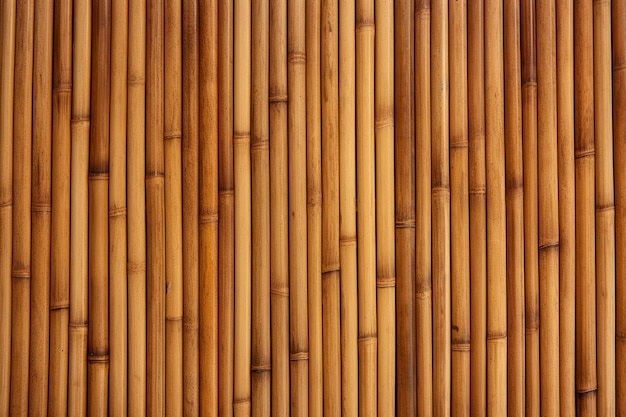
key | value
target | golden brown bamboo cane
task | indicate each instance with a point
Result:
(79, 207)
(330, 209)
(297, 108)
(21, 262)
(567, 202)
(279, 207)
(478, 202)
(404, 206)
(496, 211)
(347, 211)
(605, 209)
(586, 380)
(136, 209)
(423, 282)
(514, 211)
(531, 228)
(172, 136)
(155, 211)
(226, 228)
(459, 160)
(261, 360)
(40, 211)
(191, 372)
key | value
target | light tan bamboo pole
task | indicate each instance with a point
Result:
(567, 203)
(478, 207)
(459, 187)
(279, 207)
(226, 226)
(21, 262)
(40, 209)
(496, 211)
(155, 210)
(584, 148)
(241, 139)
(423, 283)
(60, 227)
(531, 227)
(347, 211)
(136, 164)
(79, 208)
(7, 76)
(514, 211)
(331, 284)
(404, 77)
(191, 371)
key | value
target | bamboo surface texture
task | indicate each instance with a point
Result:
(255, 208)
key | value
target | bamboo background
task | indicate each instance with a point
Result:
(315, 208)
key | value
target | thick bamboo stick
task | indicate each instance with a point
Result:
(155, 211)
(40, 209)
(459, 183)
(21, 262)
(331, 309)
(514, 211)
(79, 207)
(478, 206)
(586, 380)
(136, 171)
(423, 282)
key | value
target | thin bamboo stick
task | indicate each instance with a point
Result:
(531, 207)
(21, 262)
(423, 282)
(155, 211)
(459, 183)
(136, 171)
(60, 227)
(586, 380)
(514, 211)
(331, 309)
(279, 207)
(496, 212)
(40, 209)
(478, 204)
(79, 207)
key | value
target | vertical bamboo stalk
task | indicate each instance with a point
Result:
(155, 212)
(586, 381)
(21, 262)
(330, 209)
(60, 227)
(79, 208)
(40, 209)
(423, 282)
(478, 206)
(459, 183)
(496, 211)
(136, 164)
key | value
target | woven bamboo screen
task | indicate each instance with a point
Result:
(313, 208)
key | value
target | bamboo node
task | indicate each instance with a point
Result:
(41, 208)
(620, 334)
(368, 340)
(241, 138)
(174, 318)
(585, 153)
(459, 143)
(299, 356)
(154, 176)
(442, 191)
(261, 368)
(279, 98)
(117, 212)
(99, 176)
(460, 347)
(95, 358)
(606, 208)
(62, 88)
(331, 269)
(243, 403)
(260, 144)
(172, 135)
(619, 66)
(405, 224)
(296, 57)
(587, 391)
(424, 294)
(384, 122)
(81, 325)
(206, 218)
(6, 204)
(226, 193)
(280, 291)
(135, 80)
(60, 306)
(80, 120)
(135, 267)
(478, 191)
(365, 25)
(497, 336)
(347, 241)
(21, 274)
(314, 199)
(531, 82)
(386, 282)
(549, 246)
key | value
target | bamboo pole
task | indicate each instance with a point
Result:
(586, 381)
(478, 203)
(347, 210)
(459, 183)
(136, 171)
(531, 207)
(155, 212)
(279, 207)
(21, 262)
(331, 309)
(423, 283)
(40, 209)
(79, 208)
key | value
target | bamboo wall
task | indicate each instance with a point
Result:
(313, 208)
